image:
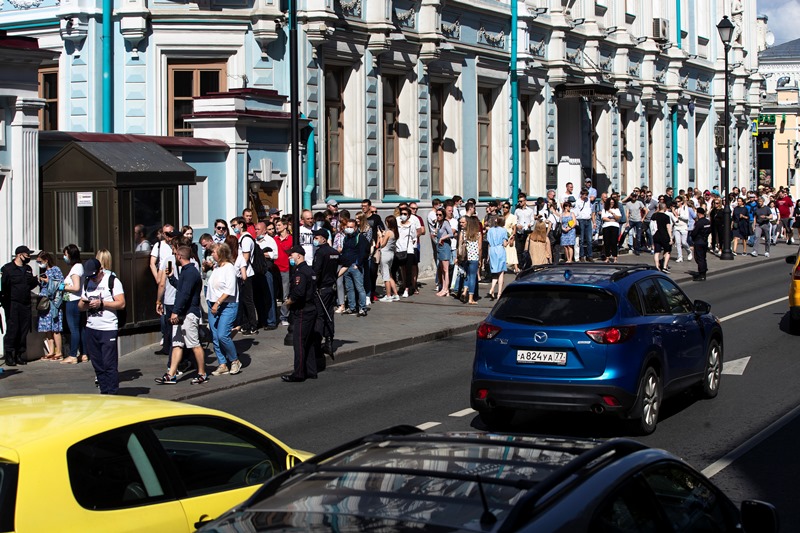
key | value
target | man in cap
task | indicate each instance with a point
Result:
(103, 297)
(274, 214)
(326, 268)
(16, 282)
(333, 210)
(587, 183)
(302, 294)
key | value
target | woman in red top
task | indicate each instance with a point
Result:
(284, 241)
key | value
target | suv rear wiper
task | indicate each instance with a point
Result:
(530, 319)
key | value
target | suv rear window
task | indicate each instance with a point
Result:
(555, 306)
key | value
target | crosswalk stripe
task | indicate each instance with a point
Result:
(428, 425)
(463, 412)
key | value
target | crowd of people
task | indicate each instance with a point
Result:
(252, 275)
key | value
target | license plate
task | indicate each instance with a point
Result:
(541, 357)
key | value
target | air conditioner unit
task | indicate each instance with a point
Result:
(719, 136)
(661, 30)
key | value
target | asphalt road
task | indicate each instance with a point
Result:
(428, 385)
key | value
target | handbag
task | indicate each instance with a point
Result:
(401, 255)
(43, 304)
(461, 252)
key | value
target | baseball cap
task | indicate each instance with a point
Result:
(91, 267)
(587, 180)
(333, 202)
(274, 211)
(23, 250)
(297, 249)
(173, 234)
(322, 233)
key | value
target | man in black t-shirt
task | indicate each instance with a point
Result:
(17, 281)
(662, 238)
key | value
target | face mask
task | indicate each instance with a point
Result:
(260, 238)
(66, 259)
(403, 218)
(291, 261)
(237, 230)
(26, 260)
(349, 231)
(40, 265)
(316, 242)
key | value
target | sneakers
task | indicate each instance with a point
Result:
(166, 379)
(221, 370)
(200, 379)
(362, 312)
(690, 257)
(339, 310)
(386, 298)
(405, 293)
(286, 322)
(236, 367)
(349, 312)
(679, 260)
(754, 254)
(766, 254)
(249, 332)
(396, 298)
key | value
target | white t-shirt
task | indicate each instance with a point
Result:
(238, 264)
(159, 249)
(306, 241)
(223, 281)
(268, 242)
(246, 245)
(432, 223)
(611, 213)
(105, 320)
(169, 290)
(407, 236)
(74, 293)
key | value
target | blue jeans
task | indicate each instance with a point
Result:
(220, 326)
(636, 233)
(73, 315)
(472, 276)
(354, 283)
(271, 306)
(585, 226)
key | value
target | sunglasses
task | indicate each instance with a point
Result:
(220, 227)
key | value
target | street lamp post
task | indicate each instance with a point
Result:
(725, 29)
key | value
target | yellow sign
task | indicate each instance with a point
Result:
(754, 128)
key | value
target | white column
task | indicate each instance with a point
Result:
(22, 213)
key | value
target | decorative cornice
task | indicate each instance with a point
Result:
(537, 49)
(605, 65)
(26, 4)
(634, 69)
(703, 86)
(351, 8)
(684, 83)
(493, 39)
(453, 31)
(574, 57)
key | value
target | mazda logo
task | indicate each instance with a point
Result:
(540, 336)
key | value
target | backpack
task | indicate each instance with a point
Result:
(122, 314)
(257, 259)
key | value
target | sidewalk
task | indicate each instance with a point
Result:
(389, 326)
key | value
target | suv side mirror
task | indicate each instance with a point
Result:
(759, 516)
(701, 307)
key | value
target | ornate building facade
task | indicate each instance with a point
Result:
(407, 99)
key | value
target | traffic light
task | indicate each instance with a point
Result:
(797, 154)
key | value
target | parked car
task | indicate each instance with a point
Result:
(110, 463)
(794, 293)
(606, 338)
(403, 480)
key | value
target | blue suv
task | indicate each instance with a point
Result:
(606, 338)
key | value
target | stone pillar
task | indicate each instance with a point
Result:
(22, 210)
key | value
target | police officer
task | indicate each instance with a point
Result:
(700, 233)
(326, 268)
(17, 282)
(302, 294)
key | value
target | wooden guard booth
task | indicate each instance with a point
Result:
(95, 193)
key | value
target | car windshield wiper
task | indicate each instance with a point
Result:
(529, 319)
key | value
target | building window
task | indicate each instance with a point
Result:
(334, 130)
(485, 142)
(187, 81)
(48, 90)
(390, 138)
(524, 149)
(438, 129)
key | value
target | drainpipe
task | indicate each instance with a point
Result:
(311, 164)
(514, 109)
(107, 102)
(675, 108)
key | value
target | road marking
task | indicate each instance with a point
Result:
(718, 466)
(428, 425)
(463, 412)
(735, 367)
(740, 313)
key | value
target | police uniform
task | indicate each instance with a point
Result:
(326, 268)
(302, 293)
(700, 233)
(17, 282)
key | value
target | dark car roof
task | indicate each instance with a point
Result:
(596, 274)
(402, 479)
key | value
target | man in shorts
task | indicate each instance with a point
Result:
(185, 319)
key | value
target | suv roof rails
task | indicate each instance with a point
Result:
(621, 270)
(526, 506)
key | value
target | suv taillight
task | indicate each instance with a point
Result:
(612, 335)
(796, 273)
(487, 331)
